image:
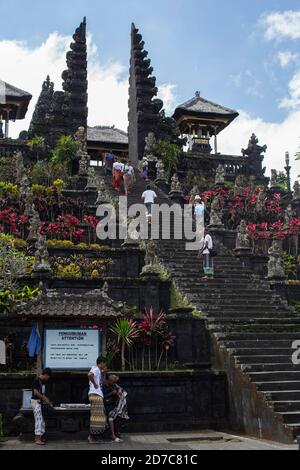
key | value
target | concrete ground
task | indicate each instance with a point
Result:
(192, 441)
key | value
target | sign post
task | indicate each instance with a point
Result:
(71, 348)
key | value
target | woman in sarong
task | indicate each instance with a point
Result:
(118, 169)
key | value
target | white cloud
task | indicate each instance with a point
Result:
(166, 93)
(285, 58)
(281, 25)
(247, 81)
(279, 137)
(293, 100)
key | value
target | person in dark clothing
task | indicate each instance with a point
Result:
(115, 404)
(39, 397)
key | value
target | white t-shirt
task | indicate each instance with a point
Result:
(119, 166)
(129, 170)
(199, 209)
(149, 196)
(209, 242)
(97, 378)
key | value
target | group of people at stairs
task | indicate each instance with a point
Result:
(123, 171)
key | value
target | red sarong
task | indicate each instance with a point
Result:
(117, 179)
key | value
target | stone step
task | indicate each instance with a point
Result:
(261, 352)
(278, 386)
(274, 376)
(286, 406)
(271, 366)
(258, 343)
(254, 337)
(290, 417)
(262, 359)
(246, 313)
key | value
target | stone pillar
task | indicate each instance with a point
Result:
(177, 197)
(150, 292)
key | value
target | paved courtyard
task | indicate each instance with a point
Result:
(195, 441)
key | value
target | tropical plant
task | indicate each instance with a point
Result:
(169, 154)
(127, 332)
(65, 150)
(37, 145)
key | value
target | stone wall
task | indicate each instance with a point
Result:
(157, 401)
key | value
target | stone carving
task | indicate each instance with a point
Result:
(252, 184)
(38, 122)
(260, 203)
(275, 264)
(296, 195)
(133, 237)
(19, 166)
(103, 194)
(150, 147)
(145, 111)
(288, 215)
(62, 112)
(255, 158)
(82, 154)
(239, 185)
(34, 224)
(175, 184)
(220, 175)
(41, 255)
(216, 214)
(152, 266)
(105, 290)
(242, 239)
(92, 182)
(160, 171)
(274, 179)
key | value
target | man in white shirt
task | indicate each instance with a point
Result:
(98, 417)
(118, 169)
(149, 197)
(208, 262)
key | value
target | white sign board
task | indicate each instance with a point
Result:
(71, 348)
(2, 353)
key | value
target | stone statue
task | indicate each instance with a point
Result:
(92, 183)
(274, 179)
(82, 154)
(288, 215)
(260, 203)
(239, 185)
(255, 158)
(24, 186)
(41, 255)
(275, 264)
(152, 266)
(175, 184)
(19, 165)
(296, 195)
(160, 170)
(216, 213)
(252, 184)
(150, 147)
(104, 290)
(103, 194)
(242, 239)
(133, 237)
(81, 140)
(34, 225)
(220, 175)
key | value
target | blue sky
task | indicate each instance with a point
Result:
(235, 52)
(193, 43)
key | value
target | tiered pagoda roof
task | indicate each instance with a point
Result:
(14, 100)
(202, 110)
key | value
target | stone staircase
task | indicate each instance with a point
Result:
(252, 330)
